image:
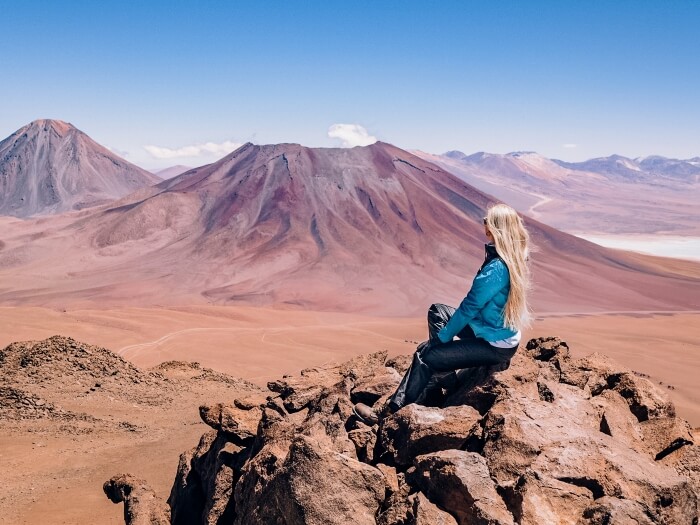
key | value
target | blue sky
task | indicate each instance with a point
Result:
(568, 79)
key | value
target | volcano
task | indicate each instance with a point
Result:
(49, 166)
(372, 229)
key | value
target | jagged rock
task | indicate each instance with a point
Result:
(400, 363)
(614, 511)
(665, 435)
(364, 439)
(202, 492)
(317, 485)
(536, 499)
(415, 430)
(617, 420)
(558, 441)
(241, 424)
(607, 468)
(686, 462)
(460, 482)
(141, 506)
(645, 400)
(370, 390)
(520, 424)
(396, 504)
(298, 392)
(422, 512)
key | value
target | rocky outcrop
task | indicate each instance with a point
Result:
(141, 507)
(548, 439)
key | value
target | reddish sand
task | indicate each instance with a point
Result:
(57, 477)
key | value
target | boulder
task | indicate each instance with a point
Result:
(542, 439)
(605, 467)
(615, 511)
(536, 499)
(317, 485)
(141, 505)
(520, 424)
(460, 483)
(241, 424)
(422, 512)
(415, 430)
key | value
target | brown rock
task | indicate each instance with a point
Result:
(370, 390)
(665, 435)
(396, 504)
(364, 439)
(618, 421)
(240, 424)
(460, 483)
(317, 485)
(520, 424)
(614, 511)
(607, 468)
(536, 499)
(415, 430)
(141, 506)
(645, 400)
(423, 512)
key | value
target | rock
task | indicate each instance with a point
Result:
(618, 421)
(536, 499)
(400, 363)
(665, 435)
(370, 390)
(203, 488)
(547, 349)
(317, 485)
(614, 511)
(415, 430)
(542, 439)
(686, 462)
(364, 439)
(607, 468)
(240, 424)
(141, 506)
(645, 400)
(520, 424)
(460, 483)
(423, 512)
(396, 504)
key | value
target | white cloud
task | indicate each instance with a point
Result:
(119, 152)
(569, 146)
(208, 149)
(351, 135)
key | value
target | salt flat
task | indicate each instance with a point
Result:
(675, 246)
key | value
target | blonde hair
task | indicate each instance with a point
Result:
(512, 244)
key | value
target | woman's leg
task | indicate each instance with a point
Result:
(445, 357)
(438, 315)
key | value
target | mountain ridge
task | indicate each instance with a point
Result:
(50, 166)
(374, 229)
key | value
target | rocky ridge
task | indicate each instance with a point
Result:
(549, 439)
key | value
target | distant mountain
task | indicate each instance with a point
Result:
(612, 194)
(49, 166)
(644, 169)
(371, 229)
(172, 171)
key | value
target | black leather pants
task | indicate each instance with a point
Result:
(433, 358)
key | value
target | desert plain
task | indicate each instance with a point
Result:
(56, 474)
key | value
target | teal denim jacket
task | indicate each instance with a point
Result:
(482, 308)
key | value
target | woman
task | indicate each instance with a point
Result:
(487, 322)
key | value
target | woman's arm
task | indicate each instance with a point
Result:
(485, 286)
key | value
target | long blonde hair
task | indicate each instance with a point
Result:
(512, 244)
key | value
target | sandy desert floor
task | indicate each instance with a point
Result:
(57, 477)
